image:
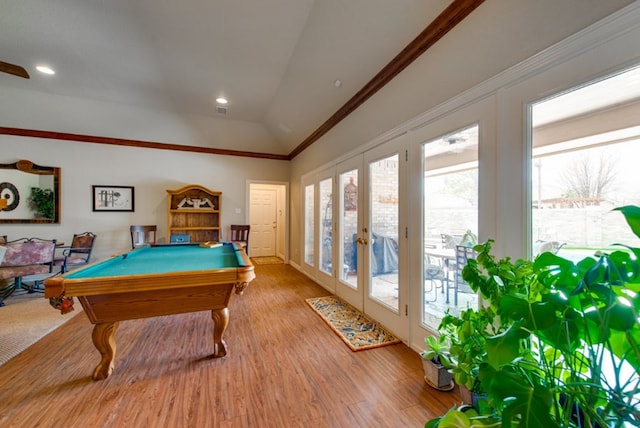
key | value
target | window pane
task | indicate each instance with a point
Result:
(584, 163)
(326, 220)
(450, 221)
(349, 227)
(309, 224)
(383, 239)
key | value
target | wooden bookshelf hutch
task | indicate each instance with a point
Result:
(194, 211)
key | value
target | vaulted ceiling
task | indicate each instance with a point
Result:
(294, 67)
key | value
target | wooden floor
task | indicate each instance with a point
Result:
(285, 368)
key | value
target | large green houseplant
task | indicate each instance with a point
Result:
(568, 350)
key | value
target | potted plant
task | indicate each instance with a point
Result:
(41, 200)
(568, 354)
(436, 363)
(468, 332)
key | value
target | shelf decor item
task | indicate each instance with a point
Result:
(113, 198)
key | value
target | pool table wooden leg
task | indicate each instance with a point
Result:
(104, 339)
(220, 319)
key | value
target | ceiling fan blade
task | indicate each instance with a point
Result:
(16, 70)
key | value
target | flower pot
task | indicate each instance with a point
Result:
(437, 376)
(465, 394)
(469, 397)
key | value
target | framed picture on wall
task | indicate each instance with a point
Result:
(113, 198)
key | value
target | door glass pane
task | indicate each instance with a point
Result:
(586, 146)
(349, 226)
(383, 239)
(450, 186)
(326, 222)
(309, 241)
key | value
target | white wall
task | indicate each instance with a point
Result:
(150, 171)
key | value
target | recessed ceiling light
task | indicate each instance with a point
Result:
(337, 83)
(44, 69)
(221, 100)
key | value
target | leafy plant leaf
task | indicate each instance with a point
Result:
(455, 418)
(505, 347)
(526, 405)
(632, 216)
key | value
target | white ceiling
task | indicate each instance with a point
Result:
(275, 60)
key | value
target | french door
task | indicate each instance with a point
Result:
(351, 234)
(384, 236)
(371, 241)
(355, 233)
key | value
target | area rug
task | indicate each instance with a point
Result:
(353, 327)
(25, 319)
(267, 260)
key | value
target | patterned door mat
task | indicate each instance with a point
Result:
(352, 326)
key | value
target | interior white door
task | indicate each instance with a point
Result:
(263, 220)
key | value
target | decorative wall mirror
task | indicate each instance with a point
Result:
(29, 193)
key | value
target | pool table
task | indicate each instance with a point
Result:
(153, 281)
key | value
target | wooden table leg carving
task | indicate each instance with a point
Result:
(104, 339)
(240, 286)
(220, 319)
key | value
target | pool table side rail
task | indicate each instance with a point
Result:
(135, 283)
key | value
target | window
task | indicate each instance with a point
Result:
(326, 222)
(585, 147)
(450, 172)
(309, 224)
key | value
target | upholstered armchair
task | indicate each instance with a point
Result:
(23, 257)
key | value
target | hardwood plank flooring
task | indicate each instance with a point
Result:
(285, 368)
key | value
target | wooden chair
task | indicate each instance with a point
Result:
(78, 253)
(240, 235)
(143, 235)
